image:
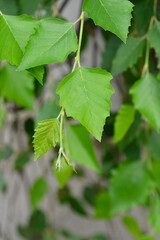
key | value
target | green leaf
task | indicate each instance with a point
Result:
(89, 92)
(17, 86)
(123, 121)
(38, 191)
(132, 226)
(16, 31)
(64, 174)
(46, 136)
(114, 16)
(53, 40)
(154, 38)
(148, 103)
(79, 141)
(127, 55)
(103, 206)
(154, 217)
(153, 145)
(36, 226)
(130, 186)
(47, 111)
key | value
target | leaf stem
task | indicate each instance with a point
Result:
(77, 58)
(146, 64)
(80, 38)
(61, 115)
(58, 163)
(61, 130)
(155, 8)
(78, 20)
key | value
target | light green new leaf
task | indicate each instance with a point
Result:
(38, 191)
(89, 92)
(17, 86)
(15, 32)
(64, 174)
(130, 186)
(154, 217)
(146, 98)
(53, 40)
(154, 38)
(124, 119)
(46, 136)
(127, 55)
(80, 147)
(114, 16)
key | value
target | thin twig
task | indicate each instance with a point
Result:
(63, 5)
(155, 7)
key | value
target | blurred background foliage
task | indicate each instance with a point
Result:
(127, 161)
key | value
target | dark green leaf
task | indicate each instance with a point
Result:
(153, 145)
(143, 11)
(110, 50)
(154, 38)
(29, 6)
(8, 7)
(77, 206)
(22, 160)
(127, 55)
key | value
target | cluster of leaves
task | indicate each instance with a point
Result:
(130, 143)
